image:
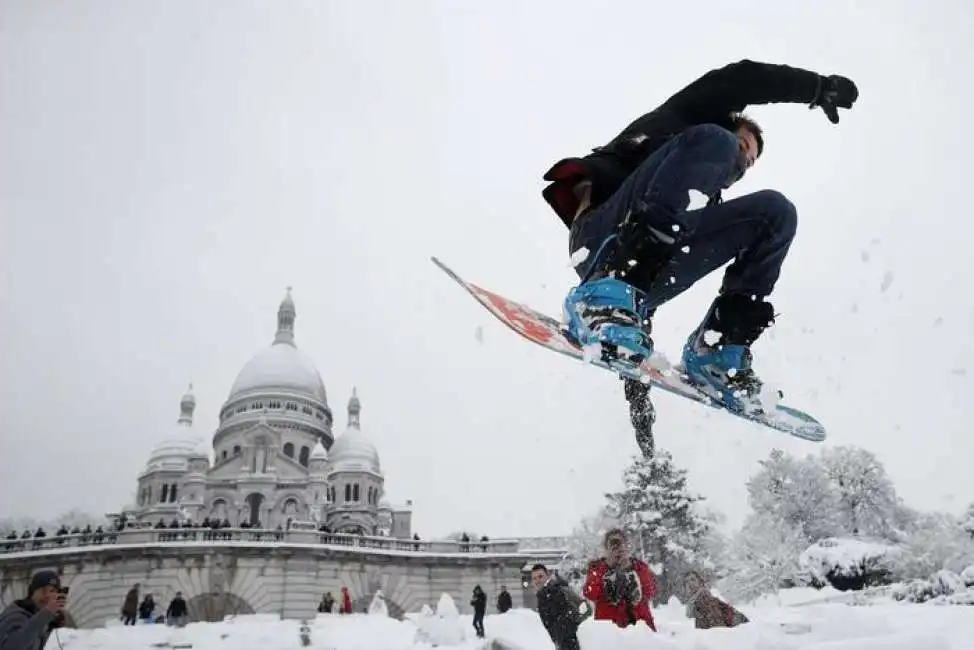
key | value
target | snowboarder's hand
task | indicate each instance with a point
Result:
(835, 92)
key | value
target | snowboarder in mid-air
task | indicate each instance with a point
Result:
(631, 205)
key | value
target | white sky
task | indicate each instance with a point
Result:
(168, 168)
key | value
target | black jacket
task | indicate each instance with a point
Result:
(504, 601)
(558, 608)
(714, 98)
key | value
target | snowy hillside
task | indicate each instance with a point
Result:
(813, 621)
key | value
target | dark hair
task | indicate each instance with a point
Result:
(740, 120)
(613, 532)
(539, 567)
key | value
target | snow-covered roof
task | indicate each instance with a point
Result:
(319, 453)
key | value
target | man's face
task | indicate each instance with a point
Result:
(44, 595)
(748, 145)
(616, 548)
(538, 578)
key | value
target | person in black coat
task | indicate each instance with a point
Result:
(479, 603)
(647, 221)
(504, 601)
(561, 610)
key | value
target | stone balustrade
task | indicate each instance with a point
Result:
(222, 535)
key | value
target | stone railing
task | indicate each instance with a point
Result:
(251, 536)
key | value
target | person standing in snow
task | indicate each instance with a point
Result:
(26, 624)
(561, 610)
(346, 607)
(621, 586)
(479, 604)
(130, 606)
(177, 612)
(326, 604)
(639, 241)
(504, 601)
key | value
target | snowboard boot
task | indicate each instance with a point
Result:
(605, 317)
(717, 355)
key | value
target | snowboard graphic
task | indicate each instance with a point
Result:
(548, 332)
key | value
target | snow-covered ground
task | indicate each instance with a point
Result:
(800, 619)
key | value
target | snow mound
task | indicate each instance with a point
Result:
(882, 625)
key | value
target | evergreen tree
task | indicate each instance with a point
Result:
(866, 498)
(657, 511)
(796, 492)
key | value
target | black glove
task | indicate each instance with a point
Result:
(629, 590)
(613, 588)
(833, 93)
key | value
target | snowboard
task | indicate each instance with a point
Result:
(550, 333)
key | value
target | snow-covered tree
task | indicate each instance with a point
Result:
(937, 542)
(763, 555)
(967, 521)
(585, 542)
(796, 492)
(866, 497)
(658, 511)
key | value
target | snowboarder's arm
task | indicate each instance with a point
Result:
(738, 85)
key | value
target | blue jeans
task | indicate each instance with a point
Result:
(755, 230)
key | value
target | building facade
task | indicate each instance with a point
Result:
(273, 459)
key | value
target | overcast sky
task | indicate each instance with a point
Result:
(168, 168)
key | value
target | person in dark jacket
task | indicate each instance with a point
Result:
(327, 604)
(26, 624)
(130, 606)
(504, 601)
(561, 610)
(479, 604)
(177, 612)
(646, 221)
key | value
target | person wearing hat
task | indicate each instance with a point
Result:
(26, 624)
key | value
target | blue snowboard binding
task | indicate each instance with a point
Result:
(606, 313)
(722, 368)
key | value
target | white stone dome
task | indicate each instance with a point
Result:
(353, 451)
(281, 367)
(180, 444)
(171, 454)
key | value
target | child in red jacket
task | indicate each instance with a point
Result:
(621, 586)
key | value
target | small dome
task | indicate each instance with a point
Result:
(319, 453)
(180, 444)
(353, 451)
(171, 454)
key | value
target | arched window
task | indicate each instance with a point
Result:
(291, 507)
(303, 458)
(236, 450)
(355, 493)
(165, 493)
(172, 493)
(289, 449)
(348, 492)
(224, 454)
